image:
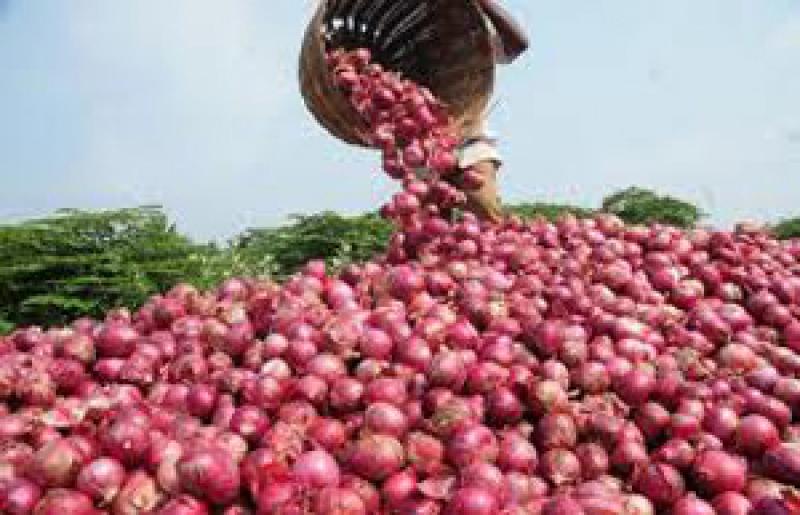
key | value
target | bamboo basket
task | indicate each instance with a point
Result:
(442, 44)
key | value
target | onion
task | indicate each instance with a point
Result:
(201, 400)
(116, 340)
(755, 434)
(139, 494)
(782, 463)
(562, 505)
(316, 469)
(425, 453)
(210, 474)
(19, 496)
(517, 454)
(339, 501)
(731, 503)
(376, 457)
(184, 505)
(59, 501)
(125, 440)
(691, 505)
(471, 444)
(56, 464)
(560, 467)
(385, 418)
(472, 501)
(399, 487)
(660, 483)
(717, 472)
(593, 458)
(101, 479)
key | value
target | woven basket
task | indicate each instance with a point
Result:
(442, 44)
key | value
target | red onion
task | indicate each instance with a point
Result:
(562, 505)
(385, 418)
(139, 494)
(731, 503)
(250, 422)
(660, 483)
(316, 469)
(210, 474)
(717, 471)
(101, 479)
(19, 496)
(691, 505)
(399, 487)
(116, 340)
(593, 460)
(470, 444)
(201, 400)
(722, 422)
(339, 501)
(376, 457)
(755, 434)
(125, 441)
(472, 501)
(59, 501)
(782, 463)
(560, 467)
(517, 454)
(56, 464)
(184, 505)
(425, 453)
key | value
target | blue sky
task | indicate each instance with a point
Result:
(193, 104)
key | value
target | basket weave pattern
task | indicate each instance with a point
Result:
(442, 44)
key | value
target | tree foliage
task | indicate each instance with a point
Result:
(549, 211)
(78, 263)
(641, 206)
(337, 239)
(787, 229)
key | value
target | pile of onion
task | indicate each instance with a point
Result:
(579, 367)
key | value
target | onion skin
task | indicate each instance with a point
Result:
(59, 501)
(782, 463)
(376, 457)
(691, 505)
(732, 503)
(209, 474)
(560, 467)
(472, 501)
(471, 444)
(339, 501)
(139, 494)
(19, 496)
(101, 479)
(717, 472)
(56, 464)
(316, 469)
(660, 483)
(184, 505)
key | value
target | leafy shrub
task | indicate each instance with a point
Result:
(641, 206)
(339, 240)
(549, 211)
(78, 263)
(787, 229)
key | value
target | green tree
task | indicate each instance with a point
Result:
(547, 210)
(78, 263)
(339, 240)
(787, 229)
(640, 206)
